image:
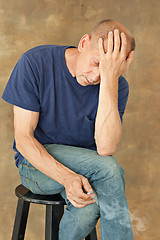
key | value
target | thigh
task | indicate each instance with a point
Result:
(83, 161)
(36, 181)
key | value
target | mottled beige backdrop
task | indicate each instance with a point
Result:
(27, 23)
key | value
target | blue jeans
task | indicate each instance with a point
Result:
(106, 177)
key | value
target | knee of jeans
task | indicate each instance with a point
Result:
(106, 167)
(86, 216)
(109, 171)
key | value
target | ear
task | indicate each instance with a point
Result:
(83, 43)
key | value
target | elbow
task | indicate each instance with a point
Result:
(107, 148)
(20, 141)
(17, 140)
(104, 154)
(106, 151)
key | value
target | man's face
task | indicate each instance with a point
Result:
(87, 69)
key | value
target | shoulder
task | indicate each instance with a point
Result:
(39, 57)
(42, 48)
(42, 52)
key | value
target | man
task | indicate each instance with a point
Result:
(68, 109)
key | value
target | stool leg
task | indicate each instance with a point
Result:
(54, 214)
(92, 235)
(20, 220)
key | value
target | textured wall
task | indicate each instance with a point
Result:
(28, 23)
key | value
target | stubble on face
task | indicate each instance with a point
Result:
(87, 65)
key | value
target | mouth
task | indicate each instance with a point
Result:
(88, 81)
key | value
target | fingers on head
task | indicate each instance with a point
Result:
(110, 42)
(117, 41)
(123, 44)
(100, 45)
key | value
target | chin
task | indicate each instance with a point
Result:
(81, 82)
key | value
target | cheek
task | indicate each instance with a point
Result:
(84, 67)
(89, 69)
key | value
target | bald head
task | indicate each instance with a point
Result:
(101, 31)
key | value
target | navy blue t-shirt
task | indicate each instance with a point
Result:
(41, 82)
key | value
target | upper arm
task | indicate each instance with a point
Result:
(23, 88)
(25, 122)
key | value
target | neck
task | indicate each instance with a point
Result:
(71, 55)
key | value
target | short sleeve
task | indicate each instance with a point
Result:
(123, 92)
(22, 87)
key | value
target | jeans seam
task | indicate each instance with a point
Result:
(25, 165)
(77, 220)
(36, 184)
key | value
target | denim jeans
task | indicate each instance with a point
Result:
(106, 177)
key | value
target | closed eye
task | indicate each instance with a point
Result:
(96, 63)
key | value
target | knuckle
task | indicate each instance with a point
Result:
(82, 196)
(115, 56)
(84, 179)
(79, 195)
(108, 56)
(85, 197)
(69, 191)
(123, 56)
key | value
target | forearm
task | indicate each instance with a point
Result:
(108, 127)
(113, 63)
(38, 156)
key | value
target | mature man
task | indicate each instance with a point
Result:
(68, 109)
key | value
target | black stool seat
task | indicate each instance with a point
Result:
(23, 193)
(54, 212)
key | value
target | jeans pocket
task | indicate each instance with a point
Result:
(32, 185)
(26, 172)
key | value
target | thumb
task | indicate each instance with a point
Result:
(129, 59)
(86, 185)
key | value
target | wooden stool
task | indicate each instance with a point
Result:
(54, 212)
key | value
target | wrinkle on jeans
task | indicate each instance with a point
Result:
(115, 211)
(106, 178)
(77, 228)
(82, 215)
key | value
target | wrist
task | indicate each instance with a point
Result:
(108, 91)
(66, 175)
(109, 80)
